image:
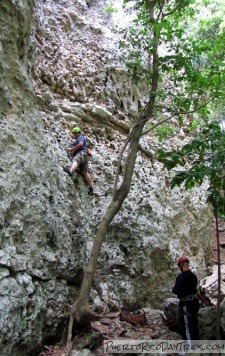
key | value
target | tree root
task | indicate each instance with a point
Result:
(79, 320)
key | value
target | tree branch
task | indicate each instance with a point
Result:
(186, 112)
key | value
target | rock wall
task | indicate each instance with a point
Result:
(61, 66)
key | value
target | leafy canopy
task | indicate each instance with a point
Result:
(191, 70)
(205, 157)
(190, 59)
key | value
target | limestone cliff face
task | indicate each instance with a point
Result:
(60, 67)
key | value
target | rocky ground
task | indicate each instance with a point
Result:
(144, 324)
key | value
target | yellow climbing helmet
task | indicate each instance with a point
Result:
(76, 129)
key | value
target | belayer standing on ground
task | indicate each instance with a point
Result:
(80, 158)
(186, 290)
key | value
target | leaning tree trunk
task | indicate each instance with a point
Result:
(80, 312)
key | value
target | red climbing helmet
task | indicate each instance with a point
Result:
(182, 259)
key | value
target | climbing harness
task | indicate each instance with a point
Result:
(189, 297)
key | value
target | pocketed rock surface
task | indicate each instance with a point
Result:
(61, 67)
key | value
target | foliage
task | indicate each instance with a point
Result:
(181, 74)
(110, 9)
(205, 157)
(163, 132)
(191, 55)
(210, 28)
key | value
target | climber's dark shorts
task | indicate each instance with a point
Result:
(82, 161)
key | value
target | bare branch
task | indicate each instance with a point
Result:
(186, 112)
(157, 124)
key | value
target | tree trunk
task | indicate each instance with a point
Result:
(219, 280)
(80, 312)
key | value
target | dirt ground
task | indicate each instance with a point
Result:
(146, 325)
(111, 327)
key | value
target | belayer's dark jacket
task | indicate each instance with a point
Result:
(186, 283)
(186, 286)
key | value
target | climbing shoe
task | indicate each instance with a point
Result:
(67, 170)
(90, 191)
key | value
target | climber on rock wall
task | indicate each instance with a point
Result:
(80, 158)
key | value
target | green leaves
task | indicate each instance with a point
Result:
(190, 178)
(163, 132)
(110, 9)
(203, 158)
(176, 51)
(170, 159)
(192, 50)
